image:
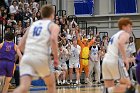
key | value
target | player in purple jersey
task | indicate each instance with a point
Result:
(138, 67)
(8, 51)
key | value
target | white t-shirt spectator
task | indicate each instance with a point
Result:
(34, 4)
(13, 9)
(131, 49)
(74, 54)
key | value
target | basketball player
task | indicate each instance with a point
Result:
(74, 60)
(138, 67)
(8, 50)
(94, 63)
(57, 71)
(41, 37)
(63, 52)
(115, 63)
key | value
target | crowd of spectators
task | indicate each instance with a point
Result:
(17, 16)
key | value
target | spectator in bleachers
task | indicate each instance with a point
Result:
(2, 3)
(34, 11)
(84, 55)
(27, 24)
(7, 29)
(12, 19)
(3, 17)
(57, 22)
(38, 15)
(14, 7)
(3, 22)
(95, 63)
(2, 10)
(63, 54)
(131, 50)
(34, 3)
(26, 6)
(105, 41)
(19, 28)
(131, 46)
(74, 60)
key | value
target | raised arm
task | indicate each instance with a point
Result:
(91, 42)
(78, 38)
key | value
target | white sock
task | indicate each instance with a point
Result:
(58, 82)
(110, 89)
(76, 81)
(64, 81)
(87, 79)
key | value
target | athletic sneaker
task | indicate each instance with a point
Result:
(67, 82)
(97, 82)
(59, 82)
(71, 82)
(77, 82)
(88, 81)
(131, 90)
(64, 82)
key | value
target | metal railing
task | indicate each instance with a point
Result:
(71, 17)
(92, 28)
(61, 12)
(83, 26)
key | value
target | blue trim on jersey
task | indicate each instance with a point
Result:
(49, 26)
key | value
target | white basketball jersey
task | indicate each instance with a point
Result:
(112, 50)
(94, 53)
(75, 53)
(38, 39)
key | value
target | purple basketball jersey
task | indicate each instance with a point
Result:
(138, 67)
(7, 52)
(138, 57)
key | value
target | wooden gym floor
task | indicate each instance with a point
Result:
(71, 89)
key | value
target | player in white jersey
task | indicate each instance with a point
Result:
(37, 42)
(94, 63)
(74, 60)
(63, 53)
(115, 63)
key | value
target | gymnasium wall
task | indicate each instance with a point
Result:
(101, 7)
(104, 17)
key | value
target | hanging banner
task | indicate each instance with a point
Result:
(125, 6)
(83, 6)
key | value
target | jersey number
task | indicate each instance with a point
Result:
(37, 31)
(8, 48)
